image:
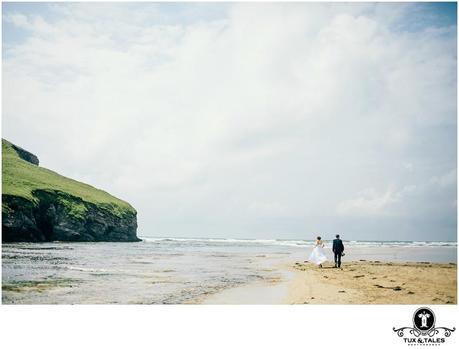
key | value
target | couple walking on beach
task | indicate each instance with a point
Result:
(318, 255)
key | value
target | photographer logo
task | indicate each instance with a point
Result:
(424, 331)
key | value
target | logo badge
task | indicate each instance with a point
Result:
(424, 331)
(424, 320)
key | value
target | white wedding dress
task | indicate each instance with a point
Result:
(318, 255)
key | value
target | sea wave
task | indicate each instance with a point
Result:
(297, 243)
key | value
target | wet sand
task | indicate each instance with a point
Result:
(269, 292)
(374, 282)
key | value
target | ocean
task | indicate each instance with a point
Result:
(172, 270)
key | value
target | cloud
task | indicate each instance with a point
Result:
(370, 202)
(204, 116)
(19, 20)
(446, 180)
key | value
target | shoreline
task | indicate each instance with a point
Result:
(357, 282)
(174, 272)
(268, 292)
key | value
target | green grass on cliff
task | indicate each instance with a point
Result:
(21, 178)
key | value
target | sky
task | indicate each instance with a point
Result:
(245, 120)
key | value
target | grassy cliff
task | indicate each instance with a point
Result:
(35, 198)
(21, 178)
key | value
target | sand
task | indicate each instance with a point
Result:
(362, 282)
(270, 292)
(374, 282)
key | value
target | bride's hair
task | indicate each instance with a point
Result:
(319, 238)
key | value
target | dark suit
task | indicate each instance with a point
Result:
(337, 249)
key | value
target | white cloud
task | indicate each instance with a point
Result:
(301, 105)
(19, 20)
(370, 202)
(446, 180)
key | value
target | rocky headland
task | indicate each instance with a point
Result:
(40, 205)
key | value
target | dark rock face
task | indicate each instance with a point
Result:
(25, 155)
(18, 220)
(53, 219)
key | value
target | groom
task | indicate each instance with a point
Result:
(338, 249)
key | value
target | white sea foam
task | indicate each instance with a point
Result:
(297, 243)
(89, 270)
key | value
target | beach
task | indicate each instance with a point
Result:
(374, 282)
(227, 271)
(357, 282)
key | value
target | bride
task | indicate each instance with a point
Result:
(318, 255)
